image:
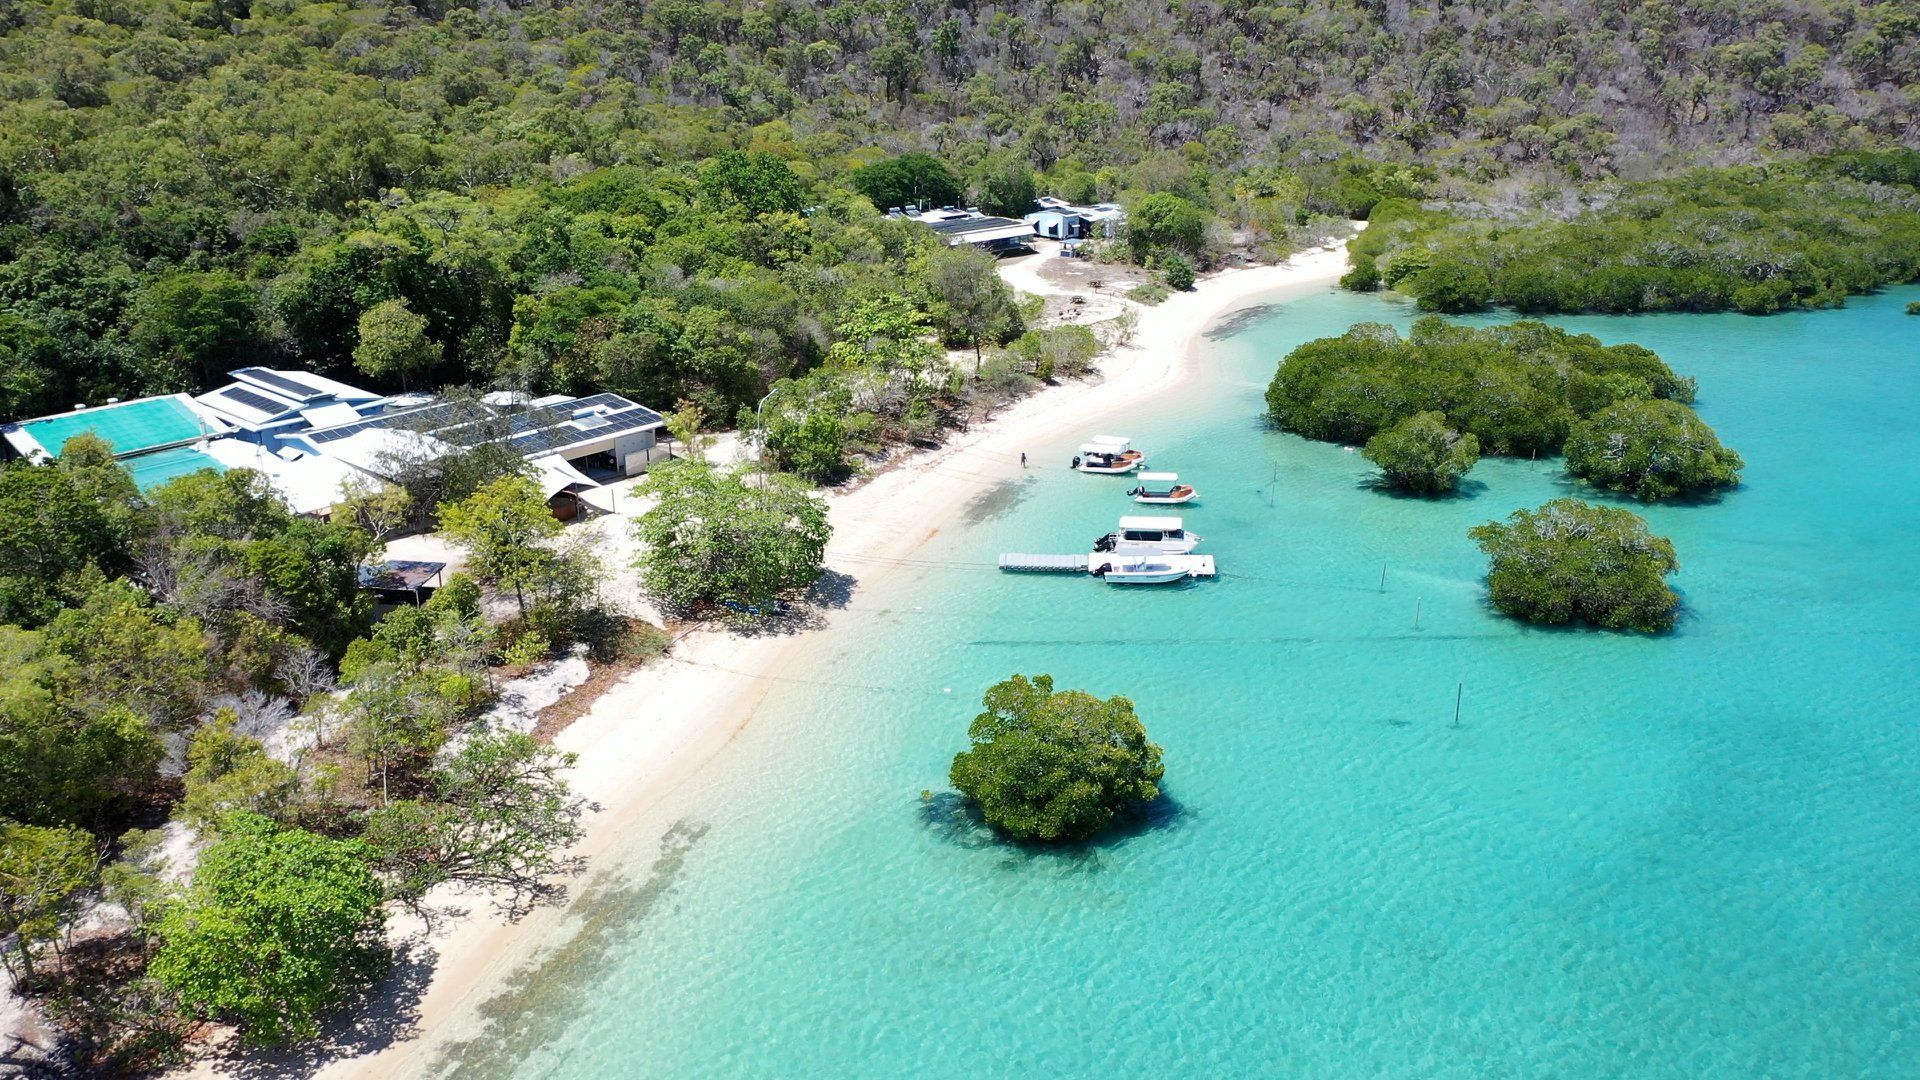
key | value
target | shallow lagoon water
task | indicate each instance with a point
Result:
(1695, 855)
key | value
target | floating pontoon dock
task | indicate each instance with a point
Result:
(1196, 565)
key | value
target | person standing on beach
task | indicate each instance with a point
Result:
(1023, 459)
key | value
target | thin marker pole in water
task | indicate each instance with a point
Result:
(1459, 690)
(1383, 577)
(1416, 611)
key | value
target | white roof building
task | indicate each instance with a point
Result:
(261, 399)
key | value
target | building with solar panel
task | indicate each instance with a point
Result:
(239, 425)
(971, 228)
(574, 444)
(310, 434)
(262, 404)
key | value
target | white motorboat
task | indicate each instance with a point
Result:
(1143, 571)
(1148, 536)
(1162, 488)
(1112, 454)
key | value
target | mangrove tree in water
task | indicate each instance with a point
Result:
(1651, 450)
(1568, 562)
(1055, 766)
(1423, 454)
(1520, 389)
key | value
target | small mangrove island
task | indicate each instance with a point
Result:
(1569, 562)
(1049, 765)
(1518, 390)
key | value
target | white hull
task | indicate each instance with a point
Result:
(1111, 470)
(1144, 574)
(1166, 500)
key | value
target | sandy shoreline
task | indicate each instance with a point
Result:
(633, 753)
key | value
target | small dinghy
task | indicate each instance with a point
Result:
(1162, 488)
(1112, 454)
(1139, 572)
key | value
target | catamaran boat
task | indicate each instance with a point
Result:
(1142, 571)
(1162, 488)
(1148, 536)
(1108, 454)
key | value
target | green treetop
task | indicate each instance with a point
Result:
(1423, 454)
(1651, 449)
(1055, 766)
(727, 539)
(43, 872)
(502, 527)
(1568, 562)
(280, 926)
(908, 180)
(393, 343)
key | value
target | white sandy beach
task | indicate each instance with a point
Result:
(647, 735)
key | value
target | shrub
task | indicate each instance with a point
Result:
(1364, 277)
(1422, 453)
(1650, 449)
(1055, 766)
(1453, 287)
(1150, 293)
(1568, 562)
(1177, 272)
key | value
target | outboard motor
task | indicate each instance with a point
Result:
(1076, 461)
(1104, 543)
(1101, 570)
(1138, 491)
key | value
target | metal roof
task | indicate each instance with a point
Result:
(961, 226)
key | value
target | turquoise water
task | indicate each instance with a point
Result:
(1696, 855)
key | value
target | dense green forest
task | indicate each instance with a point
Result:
(1753, 239)
(184, 186)
(680, 201)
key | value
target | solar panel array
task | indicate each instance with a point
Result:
(427, 418)
(254, 401)
(535, 431)
(280, 382)
(559, 437)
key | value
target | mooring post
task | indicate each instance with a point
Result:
(1416, 611)
(1383, 577)
(1458, 691)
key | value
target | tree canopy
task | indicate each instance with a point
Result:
(1049, 765)
(1569, 562)
(281, 924)
(912, 179)
(1422, 454)
(726, 540)
(1651, 449)
(1525, 388)
(1744, 239)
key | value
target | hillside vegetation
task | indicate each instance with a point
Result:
(1752, 239)
(184, 186)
